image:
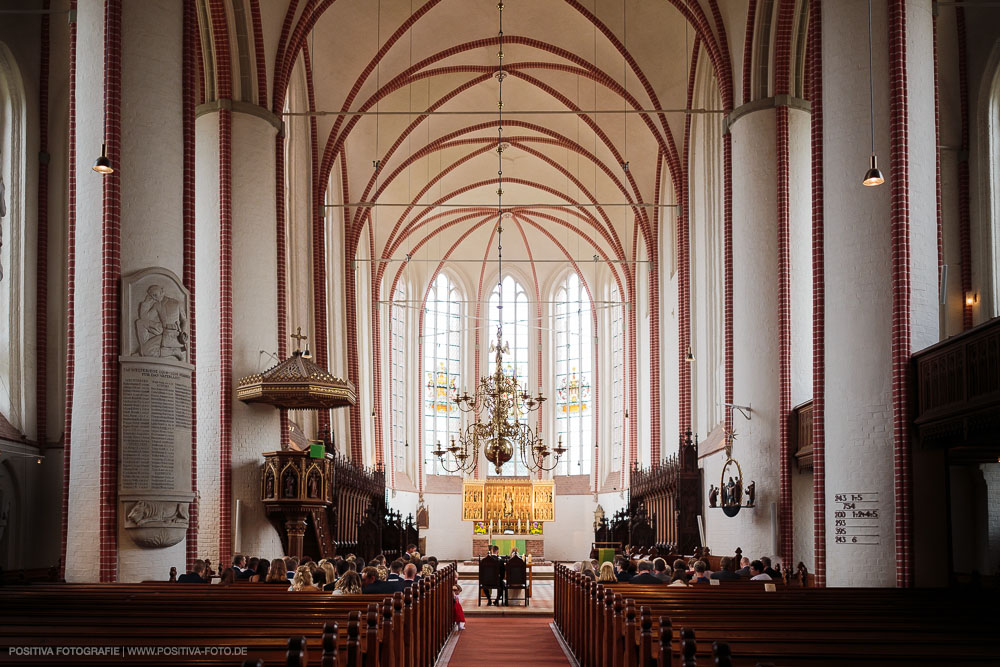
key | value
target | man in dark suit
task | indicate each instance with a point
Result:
(370, 583)
(660, 570)
(251, 569)
(239, 563)
(396, 570)
(768, 570)
(724, 573)
(410, 575)
(744, 570)
(645, 576)
(494, 552)
(195, 576)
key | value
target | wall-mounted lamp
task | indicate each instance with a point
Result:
(689, 356)
(971, 298)
(103, 165)
(873, 176)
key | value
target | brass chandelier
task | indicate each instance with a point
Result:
(500, 408)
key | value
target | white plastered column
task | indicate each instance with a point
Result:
(83, 538)
(150, 168)
(255, 428)
(755, 340)
(858, 251)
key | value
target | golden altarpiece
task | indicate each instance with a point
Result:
(509, 512)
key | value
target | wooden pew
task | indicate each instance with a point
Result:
(406, 629)
(622, 624)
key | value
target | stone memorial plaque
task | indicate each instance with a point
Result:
(154, 471)
(155, 426)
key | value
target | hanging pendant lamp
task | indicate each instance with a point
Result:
(873, 176)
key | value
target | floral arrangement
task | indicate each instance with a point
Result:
(479, 528)
(536, 528)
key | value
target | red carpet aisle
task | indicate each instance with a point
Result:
(507, 640)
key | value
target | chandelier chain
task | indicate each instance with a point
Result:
(498, 403)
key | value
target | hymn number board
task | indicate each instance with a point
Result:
(856, 518)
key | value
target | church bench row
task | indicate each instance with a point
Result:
(183, 623)
(623, 624)
(824, 634)
(406, 629)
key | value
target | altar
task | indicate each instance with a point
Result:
(508, 512)
(527, 545)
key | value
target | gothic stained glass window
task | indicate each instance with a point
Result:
(442, 368)
(516, 334)
(397, 324)
(574, 347)
(617, 378)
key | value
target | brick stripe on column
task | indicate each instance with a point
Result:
(815, 65)
(70, 289)
(225, 334)
(782, 85)
(376, 342)
(110, 277)
(684, 262)
(748, 50)
(260, 63)
(350, 313)
(351, 310)
(964, 223)
(654, 327)
(727, 270)
(224, 91)
(282, 273)
(784, 339)
(189, 84)
(900, 257)
(321, 348)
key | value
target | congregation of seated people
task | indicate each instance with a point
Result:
(347, 575)
(680, 573)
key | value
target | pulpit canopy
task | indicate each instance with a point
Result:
(297, 384)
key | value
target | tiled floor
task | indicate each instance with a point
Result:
(541, 600)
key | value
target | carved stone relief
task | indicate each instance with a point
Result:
(156, 307)
(155, 409)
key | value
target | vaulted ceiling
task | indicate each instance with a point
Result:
(577, 183)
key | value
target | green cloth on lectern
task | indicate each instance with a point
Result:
(505, 545)
(605, 556)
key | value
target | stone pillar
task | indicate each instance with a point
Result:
(141, 217)
(244, 304)
(866, 467)
(755, 337)
(757, 269)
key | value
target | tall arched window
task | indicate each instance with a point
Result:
(617, 321)
(14, 294)
(442, 368)
(989, 251)
(397, 326)
(515, 334)
(574, 347)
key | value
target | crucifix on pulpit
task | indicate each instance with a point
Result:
(299, 337)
